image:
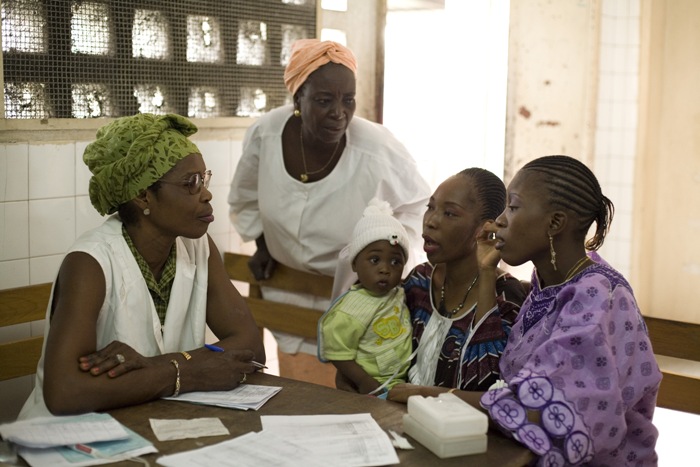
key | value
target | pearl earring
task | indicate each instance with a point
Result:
(297, 113)
(146, 212)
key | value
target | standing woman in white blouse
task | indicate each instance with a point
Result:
(306, 174)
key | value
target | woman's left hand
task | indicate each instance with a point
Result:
(116, 359)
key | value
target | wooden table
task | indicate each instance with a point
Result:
(301, 398)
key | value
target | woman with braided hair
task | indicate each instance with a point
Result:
(579, 375)
(462, 305)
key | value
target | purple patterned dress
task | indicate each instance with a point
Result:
(579, 354)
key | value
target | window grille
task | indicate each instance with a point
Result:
(102, 58)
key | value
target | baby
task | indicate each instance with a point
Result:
(366, 332)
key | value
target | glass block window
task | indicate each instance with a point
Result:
(23, 29)
(91, 101)
(150, 35)
(204, 103)
(89, 28)
(204, 39)
(110, 58)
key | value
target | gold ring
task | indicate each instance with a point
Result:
(244, 378)
(120, 358)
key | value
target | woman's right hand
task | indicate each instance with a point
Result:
(262, 264)
(487, 255)
(216, 371)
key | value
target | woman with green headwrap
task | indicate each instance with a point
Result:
(130, 306)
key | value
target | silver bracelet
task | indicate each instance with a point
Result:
(177, 378)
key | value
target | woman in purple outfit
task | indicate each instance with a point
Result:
(580, 377)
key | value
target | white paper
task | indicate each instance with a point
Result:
(168, 430)
(108, 451)
(61, 431)
(351, 440)
(244, 397)
(52, 456)
(249, 450)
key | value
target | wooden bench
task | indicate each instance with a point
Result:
(17, 306)
(292, 319)
(26, 304)
(675, 339)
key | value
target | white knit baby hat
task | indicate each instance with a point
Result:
(377, 223)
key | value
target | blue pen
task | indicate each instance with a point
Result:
(215, 348)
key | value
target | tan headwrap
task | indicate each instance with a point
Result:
(132, 153)
(308, 55)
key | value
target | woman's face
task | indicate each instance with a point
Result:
(174, 210)
(523, 227)
(327, 103)
(451, 221)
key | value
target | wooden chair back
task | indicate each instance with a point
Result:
(17, 306)
(678, 340)
(275, 316)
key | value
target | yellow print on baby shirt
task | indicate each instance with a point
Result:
(389, 327)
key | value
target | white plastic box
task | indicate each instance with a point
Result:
(446, 425)
(444, 447)
(447, 415)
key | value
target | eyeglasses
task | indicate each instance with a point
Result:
(195, 183)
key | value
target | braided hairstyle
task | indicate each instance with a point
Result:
(572, 185)
(490, 192)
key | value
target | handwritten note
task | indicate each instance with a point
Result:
(168, 430)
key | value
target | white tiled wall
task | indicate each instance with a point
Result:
(616, 126)
(44, 207)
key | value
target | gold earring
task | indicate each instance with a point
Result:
(297, 113)
(146, 212)
(552, 253)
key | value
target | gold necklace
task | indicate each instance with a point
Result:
(574, 269)
(304, 177)
(459, 307)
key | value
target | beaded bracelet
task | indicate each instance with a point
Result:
(451, 390)
(186, 355)
(177, 378)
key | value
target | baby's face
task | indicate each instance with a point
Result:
(379, 266)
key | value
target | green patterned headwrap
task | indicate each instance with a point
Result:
(132, 153)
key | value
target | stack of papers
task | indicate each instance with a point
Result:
(244, 397)
(88, 439)
(309, 440)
